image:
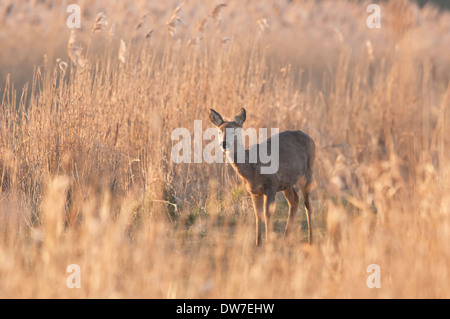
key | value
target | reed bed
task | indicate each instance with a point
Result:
(85, 137)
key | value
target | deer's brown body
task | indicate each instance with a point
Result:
(296, 155)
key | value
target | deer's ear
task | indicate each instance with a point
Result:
(215, 118)
(240, 118)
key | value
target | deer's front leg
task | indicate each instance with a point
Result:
(258, 206)
(269, 209)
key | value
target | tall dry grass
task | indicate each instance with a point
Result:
(86, 173)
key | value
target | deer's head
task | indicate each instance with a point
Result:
(228, 130)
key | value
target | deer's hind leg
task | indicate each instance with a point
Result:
(293, 201)
(306, 187)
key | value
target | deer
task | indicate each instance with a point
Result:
(296, 153)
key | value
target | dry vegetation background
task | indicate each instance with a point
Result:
(85, 169)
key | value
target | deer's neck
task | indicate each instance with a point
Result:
(244, 168)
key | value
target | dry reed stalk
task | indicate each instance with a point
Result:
(112, 30)
(263, 24)
(148, 35)
(122, 52)
(142, 22)
(100, 23)
(216, 11)
(53, 212)
(174, 21)
(75, 51)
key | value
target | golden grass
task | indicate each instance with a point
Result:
(85, 169)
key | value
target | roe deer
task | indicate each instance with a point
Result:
(295, 165)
